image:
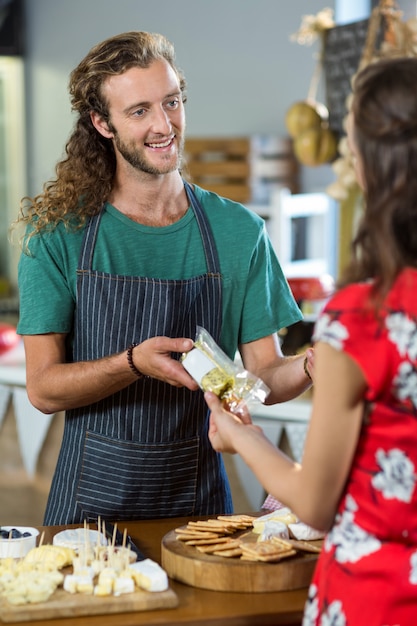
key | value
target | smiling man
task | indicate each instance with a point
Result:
(122, 260)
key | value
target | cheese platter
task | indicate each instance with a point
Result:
(240, 560)
(81, 574)
(64, 604)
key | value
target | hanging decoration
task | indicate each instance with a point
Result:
(399, 39)
(307, 121)
(388, 36)
(32, 425)
(32, 428)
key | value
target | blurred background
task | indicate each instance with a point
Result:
(244, 71)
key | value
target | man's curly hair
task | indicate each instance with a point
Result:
(84, 177)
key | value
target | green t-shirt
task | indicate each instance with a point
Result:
(256, 298)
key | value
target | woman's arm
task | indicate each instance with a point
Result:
(284, 375)
(311, 489)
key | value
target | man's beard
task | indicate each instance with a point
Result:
(137, 160)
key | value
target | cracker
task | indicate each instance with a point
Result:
(273, 558)
(246, 520)
(220, 532)
(264, 548)
(282, 544)
(197, 535)
(208, 522)
(220, 526)
(218, 547)
(246, 557)
(231, 552)
(304, 546)
(206, 542)
(267, 551)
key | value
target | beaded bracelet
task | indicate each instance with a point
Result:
(130, 360)
(306, 368)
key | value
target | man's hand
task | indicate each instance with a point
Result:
(154, 358)
(53, 384)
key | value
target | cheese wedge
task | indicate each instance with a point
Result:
(303, 531)
(149, 575)
(284, 515)
(74, 583)
(274, 528)
(55, 557)
(123, 584)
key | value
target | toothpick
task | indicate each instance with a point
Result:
(86, 543)
(125, 550)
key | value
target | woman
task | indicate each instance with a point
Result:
(357, 480)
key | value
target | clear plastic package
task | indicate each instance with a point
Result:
(214, 371)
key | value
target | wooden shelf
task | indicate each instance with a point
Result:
(244, 169)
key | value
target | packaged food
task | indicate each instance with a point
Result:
(214, 371)
(283, 515)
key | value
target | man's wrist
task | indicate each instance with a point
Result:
(132, 366)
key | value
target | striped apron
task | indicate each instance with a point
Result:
(144, 452)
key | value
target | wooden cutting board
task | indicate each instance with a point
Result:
(186, 564)
(64, 604)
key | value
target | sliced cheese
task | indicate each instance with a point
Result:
(30, 587)
(79, 539)
(274, 528)
(123, 584)
(54, 557)
(303, 531)
(74, 583)
(104, 588)
(284, 515)
(149, 575)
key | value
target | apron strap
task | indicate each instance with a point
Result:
(210, 250)
(85, 260)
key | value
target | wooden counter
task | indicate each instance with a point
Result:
(197, 607)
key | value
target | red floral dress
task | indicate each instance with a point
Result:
(367, 572)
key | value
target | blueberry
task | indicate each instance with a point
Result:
(26, 534)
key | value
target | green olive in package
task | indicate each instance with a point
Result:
(214, 371)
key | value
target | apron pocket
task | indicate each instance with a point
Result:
(128, 480)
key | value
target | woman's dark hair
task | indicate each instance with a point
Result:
(384, 110)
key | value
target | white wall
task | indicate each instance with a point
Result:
(347, 11)
(243, 71)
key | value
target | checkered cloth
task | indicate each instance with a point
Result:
(272, 503)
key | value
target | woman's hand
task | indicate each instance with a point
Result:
(224, 426)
